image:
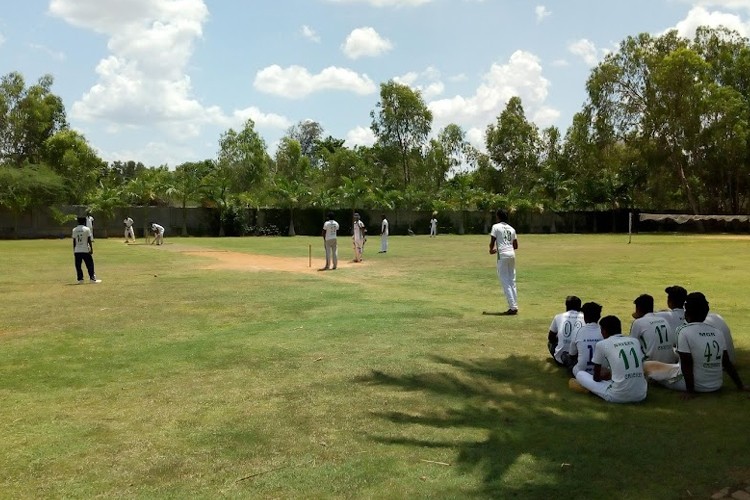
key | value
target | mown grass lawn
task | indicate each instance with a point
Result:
(383, 380)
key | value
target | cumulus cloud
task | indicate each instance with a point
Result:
(310, 34)
(296, 82)
(521, 76)
(359, 136)
(541, 12)
(365, 42)
(144, 81)
(725, 4)
(699, 16)
(385, 3)
(586, 50)
(427, 82)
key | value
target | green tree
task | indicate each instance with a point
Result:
(23, 187)
(28, 117)
(103, 201)
(70, 155)
(402, 122)
(513, 146)
(187, 185)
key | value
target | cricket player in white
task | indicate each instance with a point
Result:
(626, 382)
(330, 242)
(562, 328)
(504, 243)
(90, 224)
(653, 331)
(703, 354)
(433, 226)
(158, 233)
(675, 315)
(83, 251)
(358, 238)
(384, 235)
(718, 322)
(129, 233)
(583, 341)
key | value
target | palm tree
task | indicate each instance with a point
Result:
(291, 194)
(103, 201)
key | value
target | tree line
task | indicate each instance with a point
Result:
(665, 127)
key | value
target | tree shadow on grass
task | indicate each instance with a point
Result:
(538, 440)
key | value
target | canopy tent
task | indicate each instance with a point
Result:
(683, 218)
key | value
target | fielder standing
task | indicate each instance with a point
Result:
(384, 235)
(358, 238)
(83, 251)
(330, 242)
(504, 243)
(129, 233)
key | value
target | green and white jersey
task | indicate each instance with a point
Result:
(706, 345)
(564, 325)
(504, 235)
(624, 356)
(81, 237)
(675, 318)
(656, 337)
(718, 322)
(582, 344)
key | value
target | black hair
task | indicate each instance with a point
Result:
(591, 312)
(81, 220)
(676, 294)
(502, 215)
(696, 306)
(644, 303)
(329, 215)
(611, 324)
(572, 303)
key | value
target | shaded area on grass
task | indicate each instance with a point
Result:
(541, 441)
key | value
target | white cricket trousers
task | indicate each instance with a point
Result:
(332, 253)
(506, 273)
(383, 242)
(129, 233)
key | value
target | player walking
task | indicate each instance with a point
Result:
(504, 243)
(83, 251)
(358, 238)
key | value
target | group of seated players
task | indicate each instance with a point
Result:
(684, 348)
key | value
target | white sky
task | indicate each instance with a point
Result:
(158, 81)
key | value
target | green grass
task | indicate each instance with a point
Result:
(169, 380)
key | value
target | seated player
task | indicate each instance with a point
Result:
(702, 352)
(675, 315)
(626, 382)
(653, 331)
(584, 341)
(718, 322)
(563, 326)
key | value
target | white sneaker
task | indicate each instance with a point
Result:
(96, 281)
(81, 282)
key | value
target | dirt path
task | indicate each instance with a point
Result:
(239, 261)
